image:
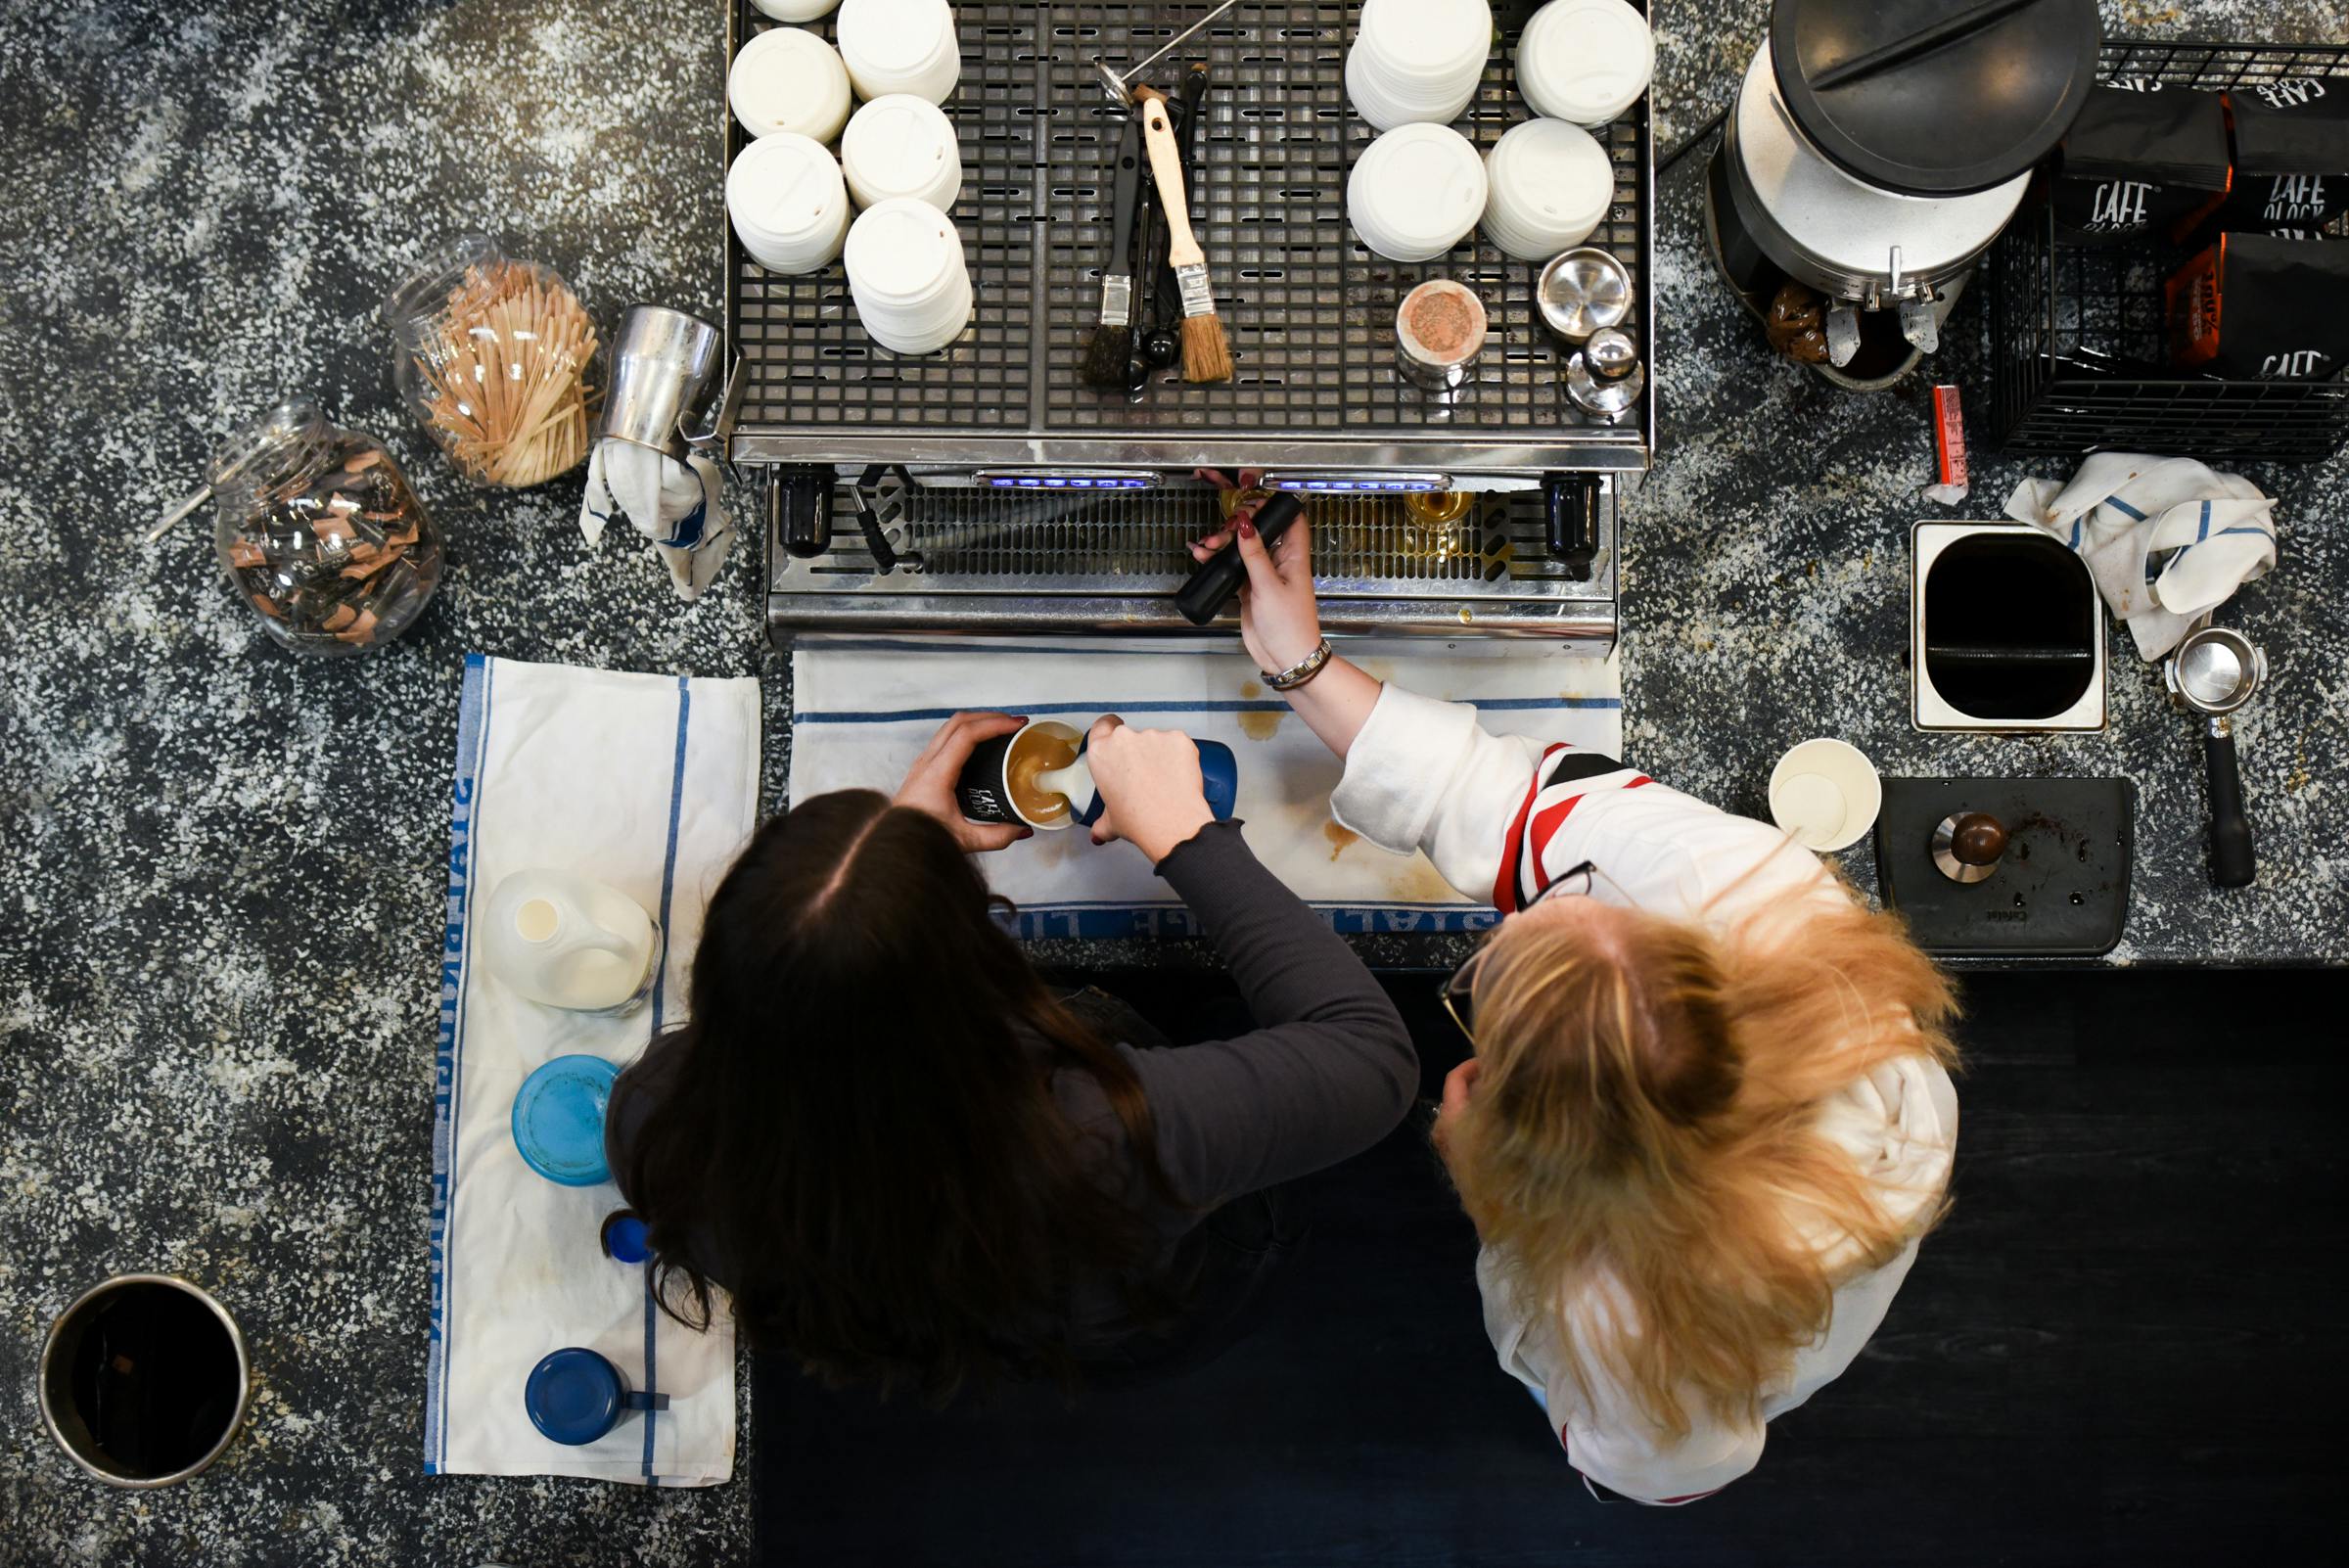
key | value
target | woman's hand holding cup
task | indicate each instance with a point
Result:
(929, 786)
(1152, 793)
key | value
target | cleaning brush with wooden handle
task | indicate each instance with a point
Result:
(1206, 355)
(1111, 345)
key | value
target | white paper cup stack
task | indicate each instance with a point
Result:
(789, 80)
(789, 205)
(901, 145)
(1418, 60)
(1550, 185)
(795, 10)
(900, 46)
(1416, 192)
(906, 274)
(1585, 60)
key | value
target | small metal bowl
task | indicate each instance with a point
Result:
(65, 1422)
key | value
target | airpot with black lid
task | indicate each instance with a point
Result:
(1876, 148)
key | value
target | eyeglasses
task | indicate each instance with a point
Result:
(1459, 994)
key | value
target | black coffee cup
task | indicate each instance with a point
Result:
(982, 790)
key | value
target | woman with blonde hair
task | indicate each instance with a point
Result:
(1708, 1114)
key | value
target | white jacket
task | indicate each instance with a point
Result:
(1502, 817)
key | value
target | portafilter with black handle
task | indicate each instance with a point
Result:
(2213, 672)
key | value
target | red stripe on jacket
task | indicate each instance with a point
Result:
(1505, 882)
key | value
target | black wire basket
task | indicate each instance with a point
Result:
(2079, 339)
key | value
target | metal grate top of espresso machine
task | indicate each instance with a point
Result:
(965, 439)
(927, 558)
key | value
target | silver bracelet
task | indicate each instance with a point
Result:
(1303, 671)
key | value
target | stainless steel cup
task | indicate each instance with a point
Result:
(62, 1409)
(666, 390)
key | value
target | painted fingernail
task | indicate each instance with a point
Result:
(1248, 526)
(1027, 833)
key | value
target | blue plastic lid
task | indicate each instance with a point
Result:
(574, 1396)
(559, 1120)
(624, 1239)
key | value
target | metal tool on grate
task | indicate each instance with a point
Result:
(1309, 312)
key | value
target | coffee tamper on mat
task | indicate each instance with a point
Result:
(1212, 584)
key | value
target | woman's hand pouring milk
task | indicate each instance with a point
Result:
(1151, 785)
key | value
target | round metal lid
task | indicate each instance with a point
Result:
(1935, 97)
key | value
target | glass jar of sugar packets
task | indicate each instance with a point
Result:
(320, 532)
(495, 356)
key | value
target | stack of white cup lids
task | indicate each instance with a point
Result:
(1551, 184)
(789, 80)
(901, 145)
(908, 276)
(1416, 192)
(1585, 60)
(795, 10)
(900, 46)
(788, 202)
(1418, 60)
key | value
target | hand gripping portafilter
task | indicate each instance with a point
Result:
(1212, 584)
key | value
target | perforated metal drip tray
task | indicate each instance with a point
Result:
(992, 561)
(1309, 310)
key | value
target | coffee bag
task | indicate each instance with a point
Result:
(2256, 308)
(2145, 158)
(2291, 156)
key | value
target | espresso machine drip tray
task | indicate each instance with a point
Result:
(902, 556)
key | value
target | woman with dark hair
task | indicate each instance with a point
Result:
(912, 1163)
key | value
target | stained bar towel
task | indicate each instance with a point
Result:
(649, 783)
(865, 705)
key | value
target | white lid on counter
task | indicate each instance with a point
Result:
(900, 46)
(1416, 192)
(1585, 60)
(795, 10)
(1551, 184)
(901, 145)
(788, 202)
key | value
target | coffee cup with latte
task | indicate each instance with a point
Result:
(1038, 775)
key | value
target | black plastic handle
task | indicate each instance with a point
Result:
(799, 509)
(1128, 198)
(1570, 512)
(1212, 584)
(2232, 864)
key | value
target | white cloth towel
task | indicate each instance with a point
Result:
(2166, 539)
(649, 783)
(866, 706)
(678, 506)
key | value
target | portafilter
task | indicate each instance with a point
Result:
(2213, 672)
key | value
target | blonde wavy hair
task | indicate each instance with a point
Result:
(1647, 1103)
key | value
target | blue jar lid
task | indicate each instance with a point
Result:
(574, 1396)
(624, 1239)
(559, 1120)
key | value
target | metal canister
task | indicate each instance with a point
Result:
(1582, 292)
(666, 391)
(1439, 331)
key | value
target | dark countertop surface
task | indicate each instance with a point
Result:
(216, 983)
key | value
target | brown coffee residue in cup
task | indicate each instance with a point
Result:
(1448, 323)
(1040, 751)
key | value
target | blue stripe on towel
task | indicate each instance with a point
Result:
(2124, 508)
(465, 808)
(669, 887)
(932, 715)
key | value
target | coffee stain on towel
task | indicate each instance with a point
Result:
(1261, 725)
(1341, 839)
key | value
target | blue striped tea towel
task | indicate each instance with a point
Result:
(865, 705)
(649, 783)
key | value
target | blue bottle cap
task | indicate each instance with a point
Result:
(574, 1396)
(624, 1239)
(559, 1120)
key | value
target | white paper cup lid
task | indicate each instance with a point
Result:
(1585, 60)
(895, 35)
(787, 79)
(787, 190)
(1551, 176)
(902, 254)
(1418, 186)
(795, 10)
(1426, 40)
(898, 144)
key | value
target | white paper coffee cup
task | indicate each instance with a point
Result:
(1585, 60)
(900, 46)
(787, 79)
(1416, 192)
(901, 145)
(1550, 184)
(908, 276)
(1418, 60)
(788, 202)
(1826, 793)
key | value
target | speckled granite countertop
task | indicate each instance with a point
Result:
(225, 865)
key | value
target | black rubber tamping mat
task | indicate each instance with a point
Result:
(2060, 890)
(1309, 310)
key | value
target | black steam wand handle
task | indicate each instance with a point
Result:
(2232, 864)
(1214, 582)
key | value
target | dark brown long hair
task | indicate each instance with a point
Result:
(853, 1136)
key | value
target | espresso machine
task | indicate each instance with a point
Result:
(1874, 150)
(987, 488)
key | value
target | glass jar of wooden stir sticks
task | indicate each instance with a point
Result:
(495, 356)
